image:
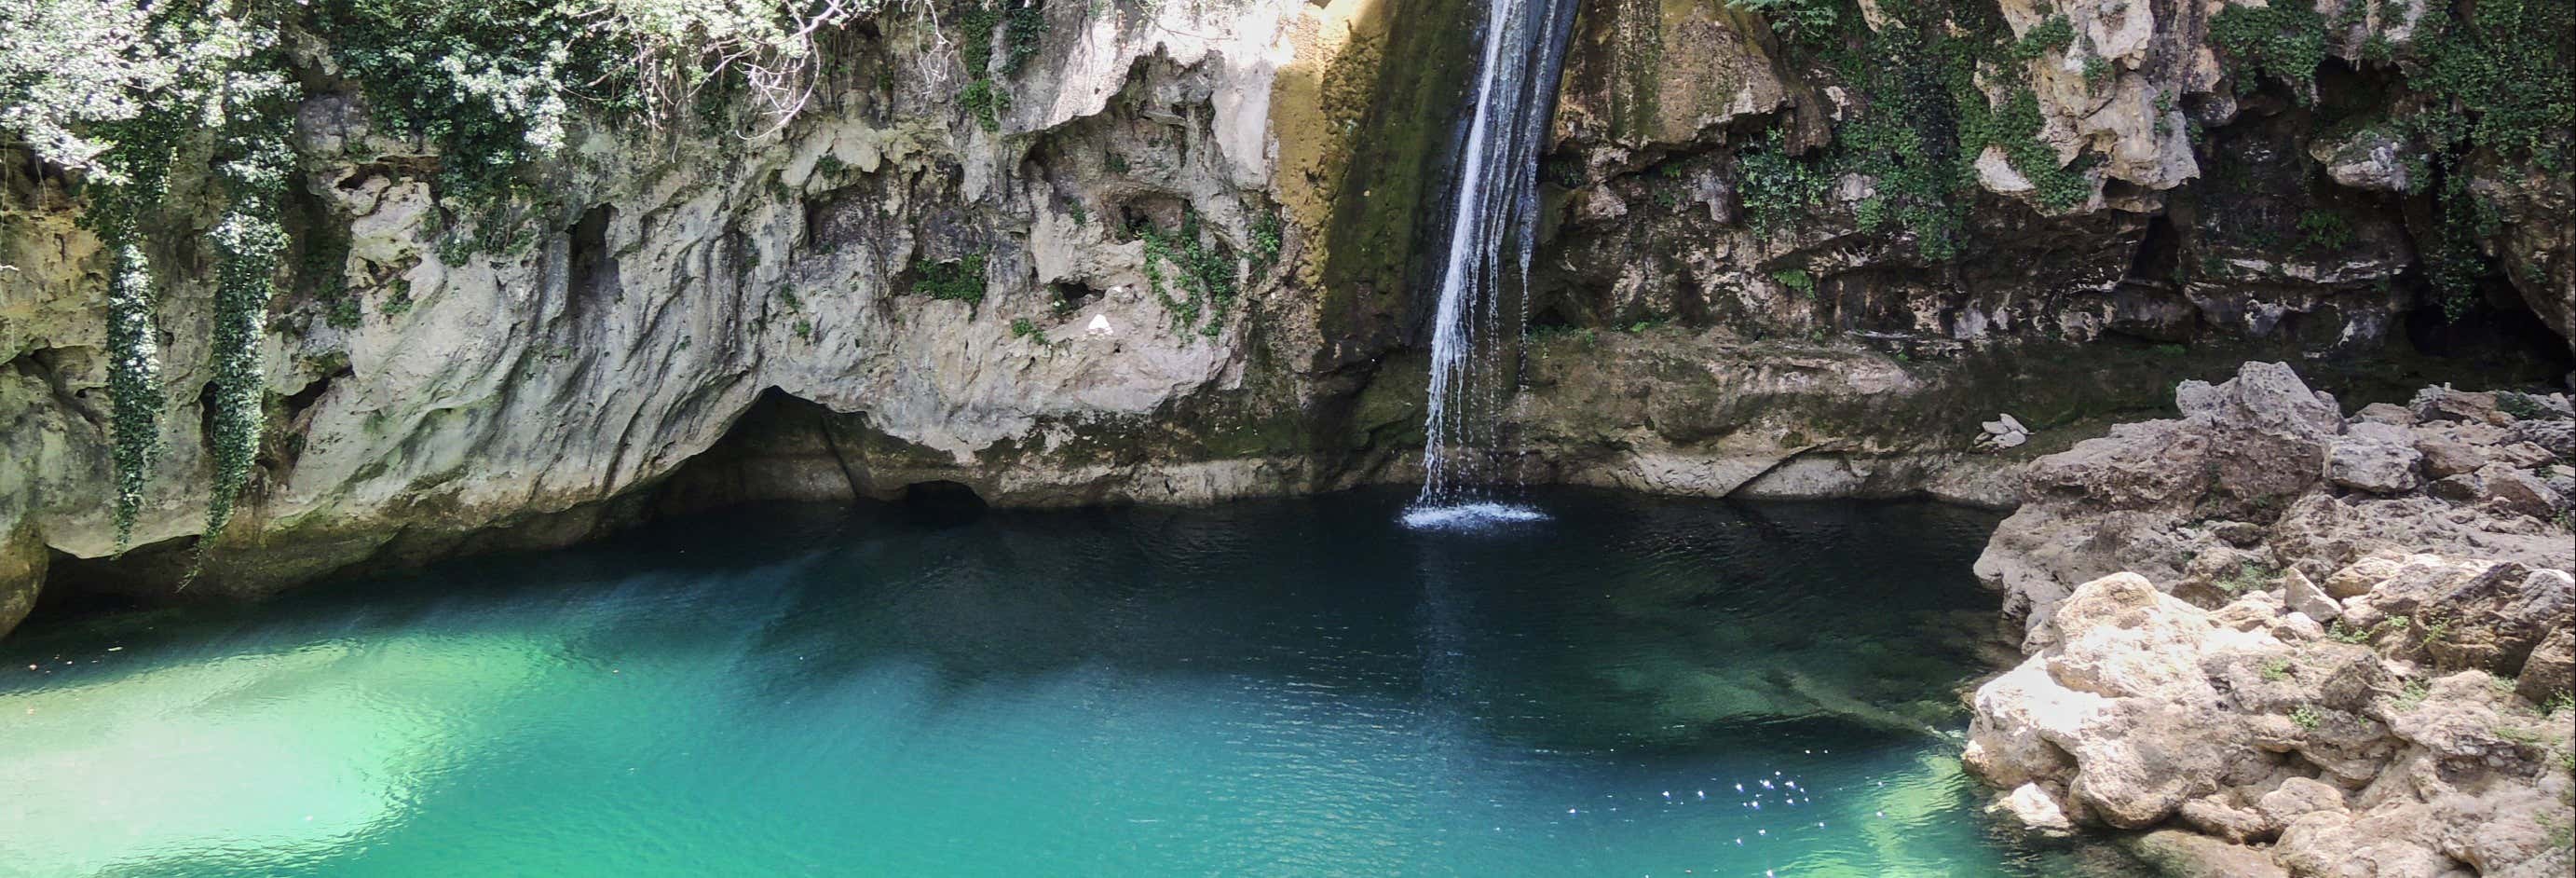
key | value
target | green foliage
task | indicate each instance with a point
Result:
(2453, 260)
(246, 248)
(1266, 240)
(175, 86)
(985, 103)
(2097, 71)
(133, 383)
(1796, 280)
(1204, 275)
(959, 281)
(2247, 577)
(2521, 736)
(2522, 406)
(2506, 80)
(1925, 117)
(2276, 670)
(2435, 628)
(397, 300)
(2413, 696)
(2015, 128)
(324, 269)
(2307, 716)
(490, 84)
(2284, 40)
(2052, 34)
(1022, 327)
(1797, 19)
(2324, 230)
(1020, 28)
(1775, 187)
(2502, 80)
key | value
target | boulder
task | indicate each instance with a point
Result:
(2038, 810)
(2375, 457)
(2517, 491)
(2116, 709)
(2556, 436)
(2187, 680)
(2180, 854)
(2549, 673)
(2445, 404)
(2307, 598)
(2298, 797)
(2385, 413)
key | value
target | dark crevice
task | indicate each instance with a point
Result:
(942, 502)
(1070, 296)
(2158, 254)
(594, 265)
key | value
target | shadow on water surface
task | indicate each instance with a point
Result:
(1280, 656)
(1648, 621)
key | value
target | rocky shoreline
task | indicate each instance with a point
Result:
(2289, 642)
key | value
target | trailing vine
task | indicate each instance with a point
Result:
(133, 383)
(245, 278)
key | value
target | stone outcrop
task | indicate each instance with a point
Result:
(2262, 623)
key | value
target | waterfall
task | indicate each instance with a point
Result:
(1476, 331)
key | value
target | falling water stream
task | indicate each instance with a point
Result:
(1486, 264)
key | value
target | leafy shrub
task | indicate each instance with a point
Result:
(959, 281)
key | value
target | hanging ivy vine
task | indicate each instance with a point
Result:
(226, 107)
(133, 383)
(247, 248)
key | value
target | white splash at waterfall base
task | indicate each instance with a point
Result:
(1495, 206)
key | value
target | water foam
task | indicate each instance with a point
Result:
(1469, 516)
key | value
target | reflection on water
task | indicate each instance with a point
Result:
(1290, 687)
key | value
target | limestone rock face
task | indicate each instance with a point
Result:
(2419, 734)
(663, 285)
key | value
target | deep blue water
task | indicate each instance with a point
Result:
(1297, 687)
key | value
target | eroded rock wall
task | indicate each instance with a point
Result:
(1182, 261)
(965, 287)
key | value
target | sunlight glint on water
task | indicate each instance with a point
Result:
(1286, 688)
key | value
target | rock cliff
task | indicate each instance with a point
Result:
(2342, 640)
(1170, 252)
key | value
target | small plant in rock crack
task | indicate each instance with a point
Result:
(2276, 670)
(2520, 736)
(2413, 696)
(2522, 406)
(1022, 327)
(2307, 716)
(2247, 577)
